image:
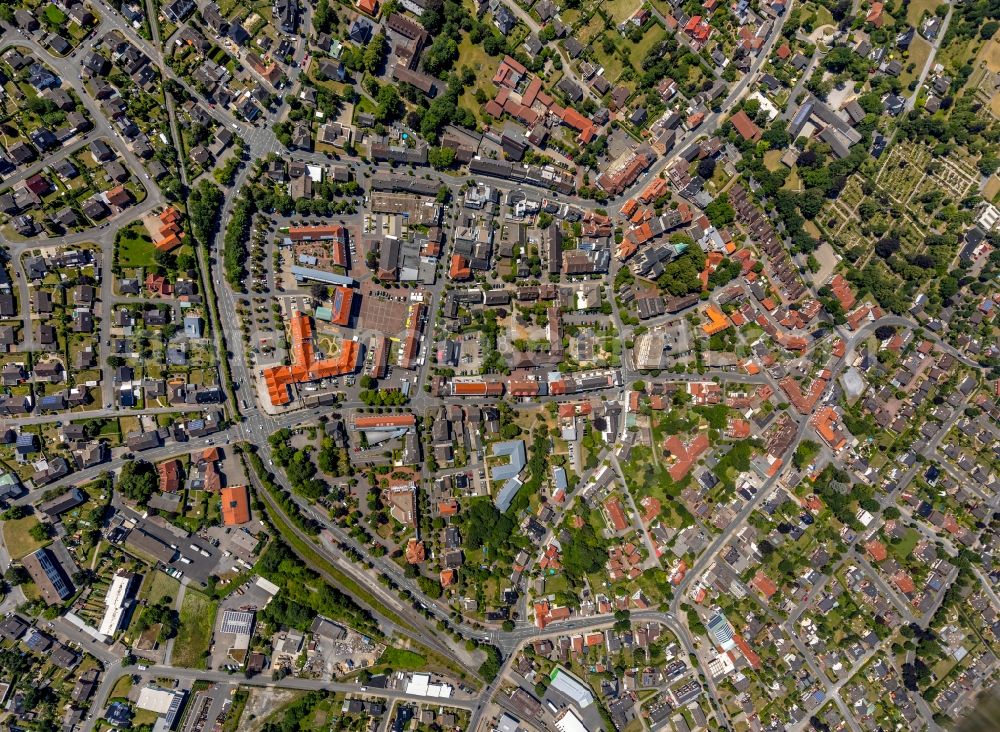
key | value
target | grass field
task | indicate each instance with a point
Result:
(135, 250)
(992, 188)
(121, 687)
(195, 632)
(473, 56)
(915, 10)
(904, 548)
(772, 159)
(158, 585)
(619, 10)
(610, 62)
(19, 541)
(399, 659)
(919, 51)
(654, 35)
(990, 53)
(54, 15)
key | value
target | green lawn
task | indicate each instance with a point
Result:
(904, 548)
(611, 62)
(54, 15)
(399, 659)
(620, 10)
(19, 541)
(915, 10)
(484, 66)
(195, 632)
(919, 51)
(158, 585)
(823, 17)
(654, 35)
(135, 249)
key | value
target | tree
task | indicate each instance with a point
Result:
(706, 168)
(138, 481)
(16, 575)
(375, 53)
(390, 106)
(204, 204)
(885, 332)
(323, 18)
(720, 213)
(441, 157)
(40, 532)
(441, 55)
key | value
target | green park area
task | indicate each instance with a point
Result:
(195, 633)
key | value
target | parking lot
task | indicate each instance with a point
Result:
(383, 310)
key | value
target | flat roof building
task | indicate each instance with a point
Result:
(568, 685)
(117, 602)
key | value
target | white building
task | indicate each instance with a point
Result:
(420, 685)
(567, 721)
(570, 686)
(167, 703)
(117, 601)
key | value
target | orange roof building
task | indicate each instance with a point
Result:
(384, 421)
(904, 582)
(170, 234)
(317, 233)
(305, 367)
(825, 422)
(368, 6)
(876, 550)
(170, 475)
(447, 577)
(875, 15)
(477, 388)
(616, 514)
(343, 299)
(460, 269)
(739, 429)
(235, 505)
(746, 127)
(572, 118)
(685, 454)
(656, 188)
(415, 552)
(718, 321)
(764, 585)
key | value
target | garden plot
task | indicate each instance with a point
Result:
(956, 179)
(903, 170)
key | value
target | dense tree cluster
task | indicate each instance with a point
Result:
(304, 588)
(585, 553)
(234, 250)
(298, 465)
(138, 481)
(681, 276)
(282, 498)
(204, 204)
(485, 527)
